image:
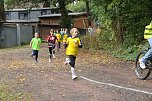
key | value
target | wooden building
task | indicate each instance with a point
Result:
(47, 22)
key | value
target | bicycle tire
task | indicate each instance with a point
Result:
(141, 73)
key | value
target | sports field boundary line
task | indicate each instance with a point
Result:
(117, 86)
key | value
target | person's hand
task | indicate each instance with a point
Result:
(76, 43)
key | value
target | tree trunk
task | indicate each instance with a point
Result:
(64, 20)
(62, 8)
(88, 12)
(2, 19)
(2, 14)
(119, 33)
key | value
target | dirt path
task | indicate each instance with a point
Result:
(44, 81)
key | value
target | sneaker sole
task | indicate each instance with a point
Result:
(74, 78)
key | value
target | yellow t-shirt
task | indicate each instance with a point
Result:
(59, 37)
(73, 44)
(65, 37)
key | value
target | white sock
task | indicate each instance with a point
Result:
(72, 71)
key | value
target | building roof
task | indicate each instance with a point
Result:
(32, 9)
(22, 21)
(58, 15)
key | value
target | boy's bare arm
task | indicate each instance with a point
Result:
(31, 44)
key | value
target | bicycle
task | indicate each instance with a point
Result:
(142, 73)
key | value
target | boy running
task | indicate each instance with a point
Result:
(65, 36)
(72, 43)
(59, 40)
(35, 45)
(51, 39)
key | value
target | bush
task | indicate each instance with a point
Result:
(102, 42)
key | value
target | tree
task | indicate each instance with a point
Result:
(2, 15)
(88, 11)
(64, 20)
(126, 18)
(26, 3)
(78, 7)
(46, 3)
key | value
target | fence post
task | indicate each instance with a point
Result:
(18, 34)
(2, 37)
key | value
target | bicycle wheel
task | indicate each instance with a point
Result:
(141, 73)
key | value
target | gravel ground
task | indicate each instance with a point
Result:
(44, 81)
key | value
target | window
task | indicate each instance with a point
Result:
(7, 16)
(43, 12)
(23, 15)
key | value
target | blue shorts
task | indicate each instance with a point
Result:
(35, 52)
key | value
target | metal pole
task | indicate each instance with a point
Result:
(18, 34)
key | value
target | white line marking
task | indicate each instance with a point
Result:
(117, 86)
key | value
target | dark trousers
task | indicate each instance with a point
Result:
(72, 60)
(65, 45)
(51, 51)
(59, 46)
(35, 53)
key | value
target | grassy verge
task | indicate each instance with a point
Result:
(6, 94)
(121, 52)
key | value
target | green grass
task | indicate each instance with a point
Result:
(6, 94)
